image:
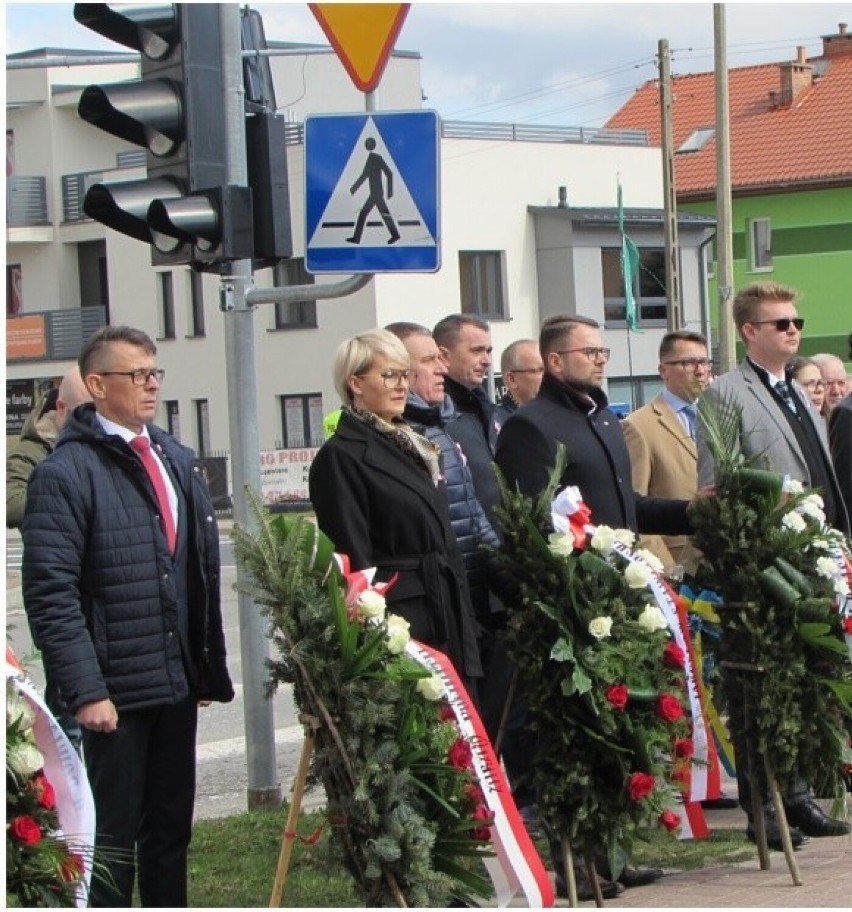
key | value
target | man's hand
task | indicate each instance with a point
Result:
(99, 716)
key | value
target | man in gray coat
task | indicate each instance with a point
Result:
(783, 432)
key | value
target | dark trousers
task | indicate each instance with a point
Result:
(143, 780)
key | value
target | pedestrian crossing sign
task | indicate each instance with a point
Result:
(371, 192)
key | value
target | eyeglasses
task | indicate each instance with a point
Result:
(691, 363)
(596, 354)
(525, 370)
(139, 377)
(813, 384)
(782, 324)
(391, 378)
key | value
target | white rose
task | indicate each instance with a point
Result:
(560, 544)
(398, 635)
(841, 587)
(600, 627)
(18, 709)
(652, 618)
(432, 688)
(651, 559)
(637, 576)
(603, 539)
(792, 486)
(812, 506)
(820, 544)
(826, 567)
(624, 537)
(371, 605)
(794, 522)
(24, 759)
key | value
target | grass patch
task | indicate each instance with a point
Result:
(232, 861)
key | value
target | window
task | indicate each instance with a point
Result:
(196, 303)
(760, 231)
(167, 305)
(202, 426)
(173, 418)
(651, 291)
(632, 391)
(697, 140)
(299, 314)
(710, 259)
(301, 420)
(14, 290)
(483, 283)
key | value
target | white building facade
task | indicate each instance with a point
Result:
(528, 229)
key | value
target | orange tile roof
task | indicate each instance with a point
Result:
(806, 144)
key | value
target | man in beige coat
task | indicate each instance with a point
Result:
(661, 437)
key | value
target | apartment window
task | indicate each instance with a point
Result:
(760, 232)
(483, 283)
(173, 418)
(166, 293)
(202, 426)
(14, 290)
(196, 304)
(650, 294)
(299, 314)
(301, 420)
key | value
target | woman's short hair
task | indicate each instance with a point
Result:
(356, 356)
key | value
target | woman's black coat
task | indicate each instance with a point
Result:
(380, 507)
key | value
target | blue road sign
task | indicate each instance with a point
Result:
(371, 192)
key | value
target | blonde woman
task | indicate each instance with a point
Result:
(373, 486)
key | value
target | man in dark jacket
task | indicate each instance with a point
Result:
(121, 588)
(521, 368)
(572, 409)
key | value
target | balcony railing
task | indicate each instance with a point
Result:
(26, 202)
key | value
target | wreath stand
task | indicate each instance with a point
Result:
(744, 670)
(311, 724)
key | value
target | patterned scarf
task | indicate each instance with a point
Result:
(404, 438)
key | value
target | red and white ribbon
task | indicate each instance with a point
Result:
(516, 864)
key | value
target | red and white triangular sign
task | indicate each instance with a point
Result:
(363, 36)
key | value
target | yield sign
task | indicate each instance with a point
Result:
(363, 36)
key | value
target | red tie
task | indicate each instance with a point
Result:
(142, 445)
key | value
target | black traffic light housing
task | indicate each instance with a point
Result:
(184, 208)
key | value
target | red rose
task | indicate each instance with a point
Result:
(44, 790)
(673, 655)
(670, 820)
(460, 754)
(669, 708)
(640, 785)
(474, 793)
(847, 625)
(447, 713)
(25, 830)
(71, 867)
(683, 748)
(482, 833)
(617, 695)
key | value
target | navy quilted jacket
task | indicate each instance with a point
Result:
(98, 579)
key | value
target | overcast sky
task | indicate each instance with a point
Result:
(546, 63)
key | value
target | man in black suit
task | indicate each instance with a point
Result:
(121, 589)
(571, 408)
(840, 442)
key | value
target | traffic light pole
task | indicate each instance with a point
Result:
(263, 791)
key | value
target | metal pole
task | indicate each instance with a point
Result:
(263, 791)
(674, 317)
(724, 236)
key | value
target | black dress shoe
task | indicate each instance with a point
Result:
(806, 815)
(773, 835)
(585, 891)
(639, 877)
(722, 803)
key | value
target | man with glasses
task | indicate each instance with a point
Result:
(571, 408)
(781, 429)
(121, 590)
(522, 369)
(833, 373)
(661, 436)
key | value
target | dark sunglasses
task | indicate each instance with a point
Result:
(782, 324)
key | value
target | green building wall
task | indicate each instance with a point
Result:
(811, 247)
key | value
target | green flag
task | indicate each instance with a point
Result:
(629, 268)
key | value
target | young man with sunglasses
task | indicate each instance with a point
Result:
(780, 427)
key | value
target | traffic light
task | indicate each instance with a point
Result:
(184, 208)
